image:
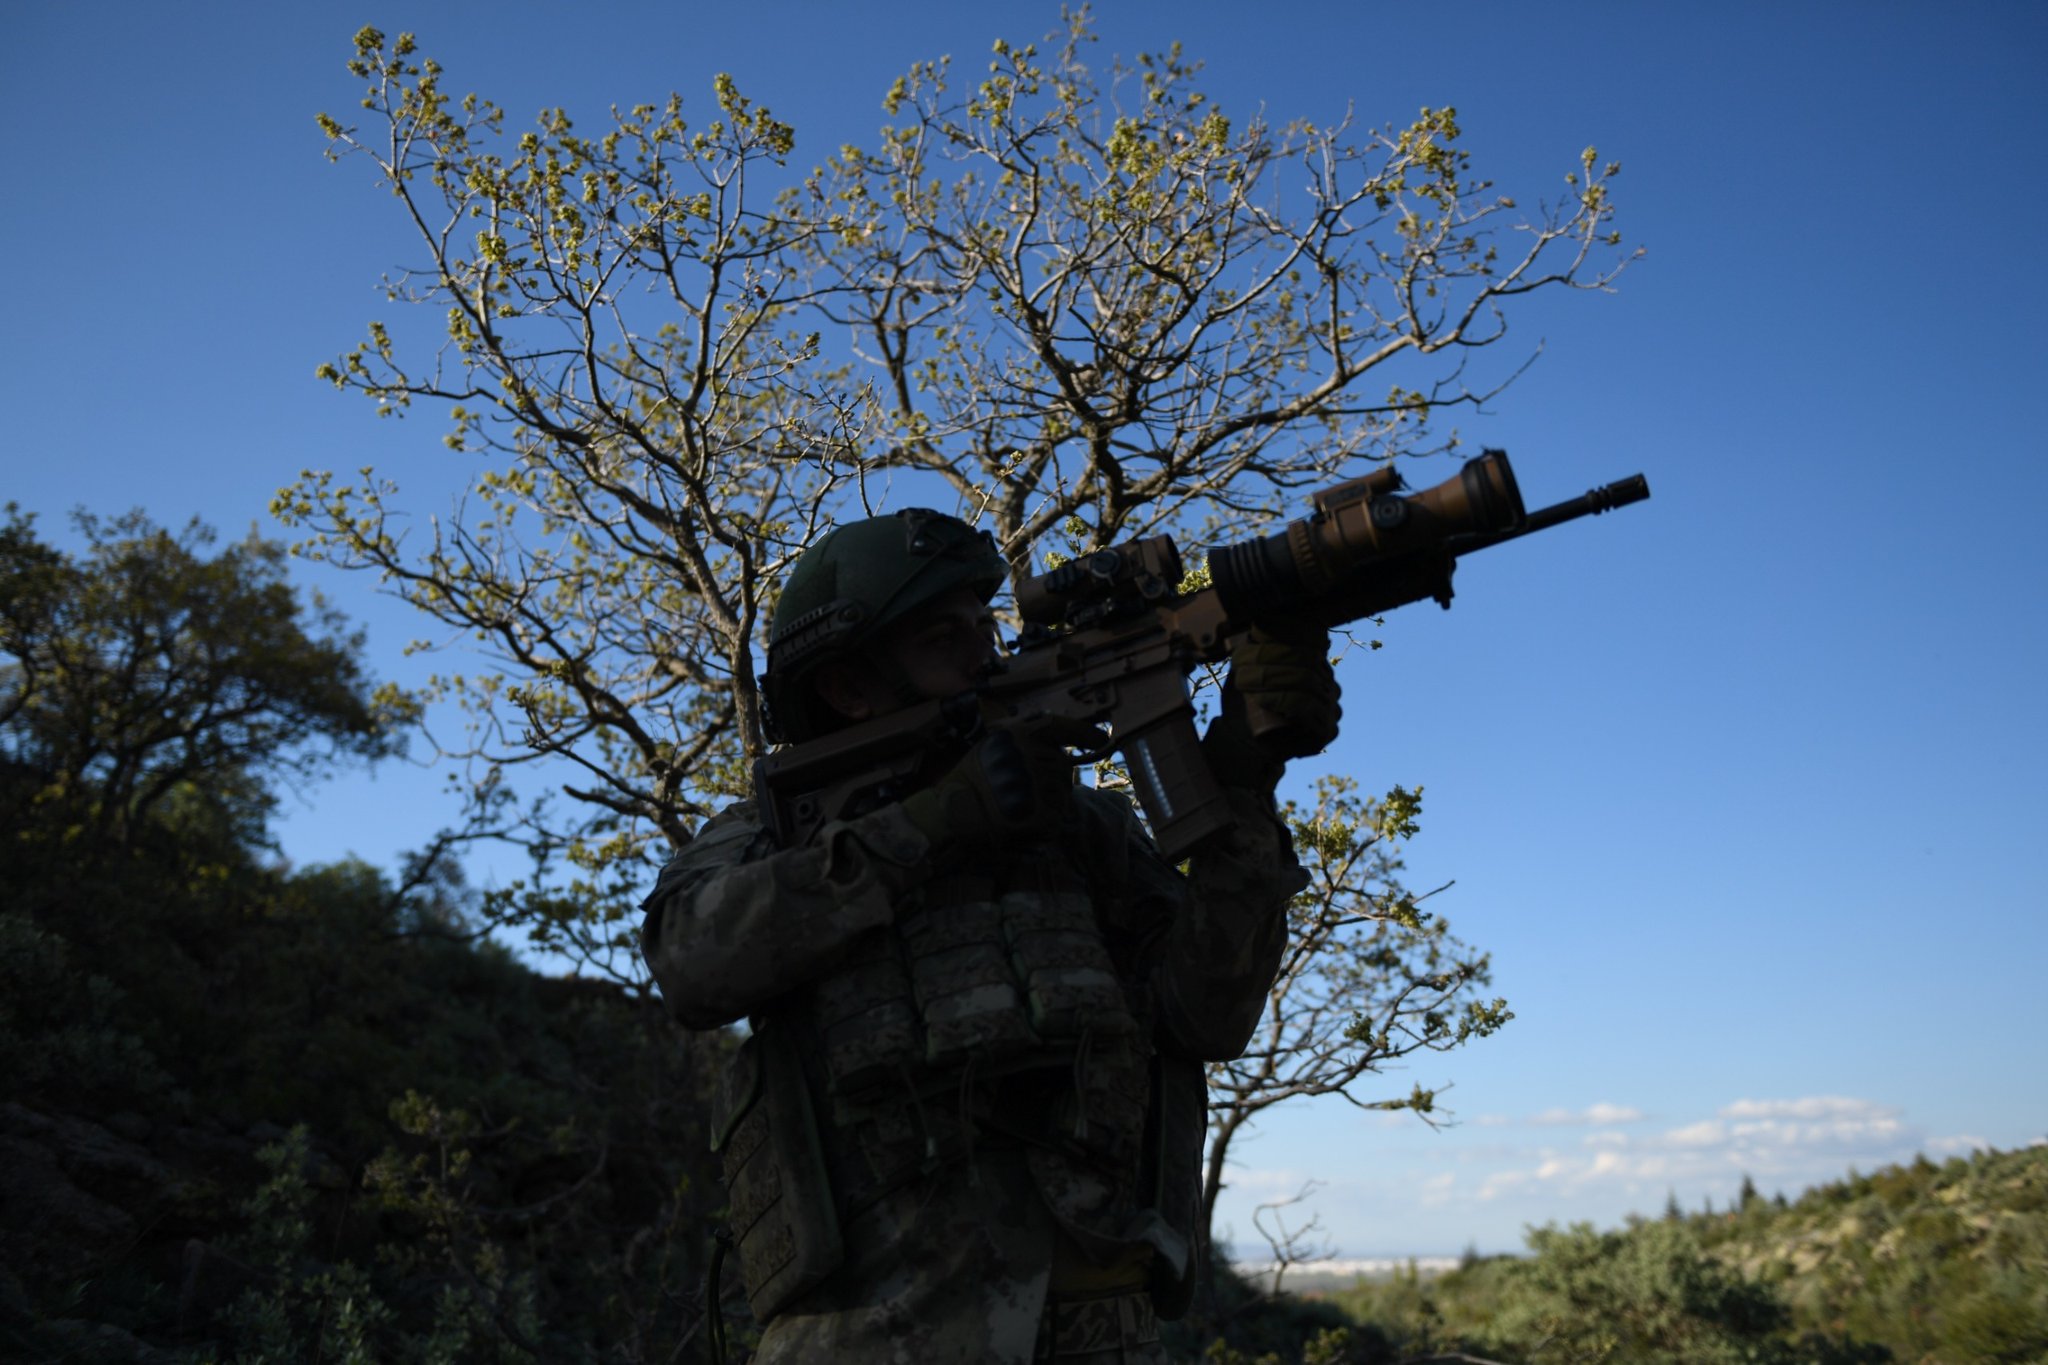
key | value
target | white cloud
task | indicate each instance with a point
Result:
(1839, 1133)
(1602, 1113)
(1829, 1122)
(1266, 1185)
(1613, 1113)
(1832, 1107)
(1573, 1165)
(1791, 1142)
(1502, 1182)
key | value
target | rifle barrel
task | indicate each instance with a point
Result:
(1605, 498)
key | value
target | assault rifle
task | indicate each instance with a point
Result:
(1109, 639)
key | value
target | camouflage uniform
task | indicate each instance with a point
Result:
(967, 1123)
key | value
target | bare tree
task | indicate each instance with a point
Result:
(1292, 1242)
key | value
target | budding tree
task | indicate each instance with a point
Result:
(1075, 299)
(1369, 977)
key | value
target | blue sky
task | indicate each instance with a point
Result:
(1741, 787)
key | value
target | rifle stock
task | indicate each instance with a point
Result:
(1108, 640)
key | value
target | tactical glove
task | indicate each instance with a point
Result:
(1280, 702)
(1014, 783)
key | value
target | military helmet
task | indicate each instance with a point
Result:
(853, 583)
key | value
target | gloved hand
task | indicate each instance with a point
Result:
(1279, 702)
(1016, 782)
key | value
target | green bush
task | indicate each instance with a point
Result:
(1921, 1262)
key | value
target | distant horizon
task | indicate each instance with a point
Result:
(1344, 1261)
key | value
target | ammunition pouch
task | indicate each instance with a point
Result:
(779, 1198)
(996, 982)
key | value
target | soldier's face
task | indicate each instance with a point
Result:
(944, 648)
(940, 650)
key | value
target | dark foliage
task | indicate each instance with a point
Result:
(144, 669)
(263, 1114)
(1237, 1323)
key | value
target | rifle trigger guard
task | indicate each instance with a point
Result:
(1097, 754)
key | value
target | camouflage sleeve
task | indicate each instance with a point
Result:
(734, 922)
(1212, 963)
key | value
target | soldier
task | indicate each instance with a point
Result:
(967, 1121)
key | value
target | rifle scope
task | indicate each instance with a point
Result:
(1367, 548)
